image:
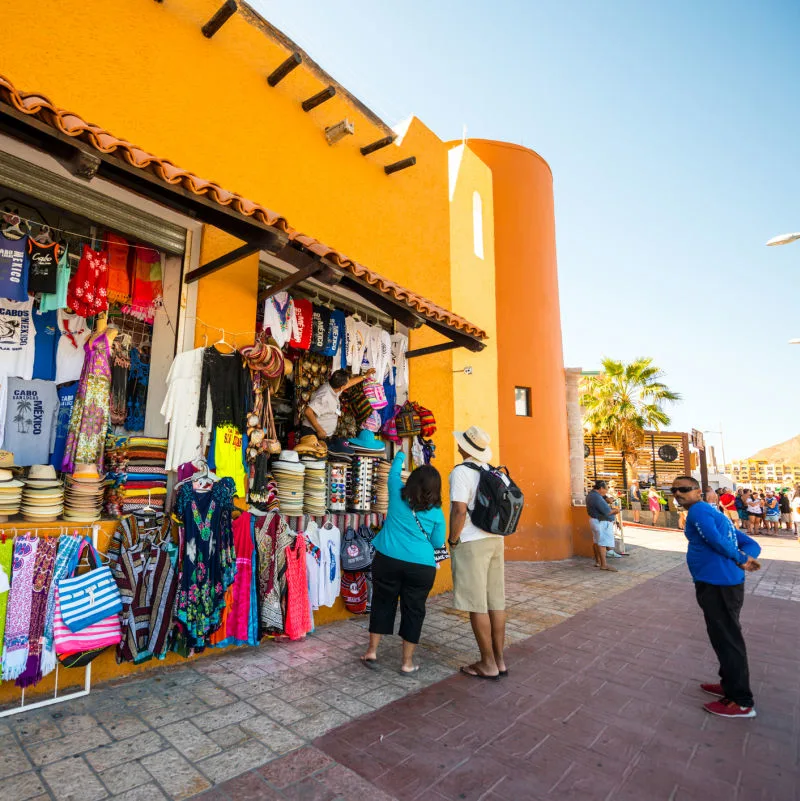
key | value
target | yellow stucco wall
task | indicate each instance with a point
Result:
(153, 79)
(473, 290)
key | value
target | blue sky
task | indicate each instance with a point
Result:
(673, 132)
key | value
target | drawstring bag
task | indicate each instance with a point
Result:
(389, 430)
(373, 422)
(375, 395)
(357, 551)
(356, 401)
(355, 592)
(91, 597)
(427, 421)
(407, 421)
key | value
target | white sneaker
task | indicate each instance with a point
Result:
(613, 554)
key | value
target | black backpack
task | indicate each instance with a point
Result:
(498, 501)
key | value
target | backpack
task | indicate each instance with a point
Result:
(498, 501)
(357, 550)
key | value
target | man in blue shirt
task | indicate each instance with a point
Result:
(718, 557)
(601, 521)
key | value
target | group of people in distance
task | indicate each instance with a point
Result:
(760, 512)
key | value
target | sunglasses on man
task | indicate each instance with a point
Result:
(673, 490)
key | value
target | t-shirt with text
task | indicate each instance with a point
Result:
(13, 269)
(31, 414)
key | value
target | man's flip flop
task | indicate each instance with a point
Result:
(372, 664)
(411, 672)
(476, 675)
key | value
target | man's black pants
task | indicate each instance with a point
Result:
(721, 606)
(408, 582)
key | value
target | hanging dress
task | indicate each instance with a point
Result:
(87, 294)
(90, 410)
(271, 614)
(138, 377)
(209, 558)
(298, 611)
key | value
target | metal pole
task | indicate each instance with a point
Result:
(722, 444)
(594, 458)
(653, 451)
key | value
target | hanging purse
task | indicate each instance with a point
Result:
(439, 554)
(91, 597)
(427, 421)
(357, 551)
(407, 421)
(272, 443)
(375, 394)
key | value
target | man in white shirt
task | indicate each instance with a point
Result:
(323, 411)
(478, 559)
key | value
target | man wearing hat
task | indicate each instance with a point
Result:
(323, 411)
(478, 559)
(601, 521)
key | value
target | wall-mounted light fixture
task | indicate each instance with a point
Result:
(335, 133)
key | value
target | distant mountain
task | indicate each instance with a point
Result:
(788, 452)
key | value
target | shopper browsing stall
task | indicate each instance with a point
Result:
(321, 416)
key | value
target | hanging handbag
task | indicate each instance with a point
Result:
(358, 404)
(407, 421)
(389, 429)
(427, 421)
(375, 394)
(373, 422)
(91, 597)
(357, 551)
(439, 554)
(354, 591)
(78, 649)
(272, 443)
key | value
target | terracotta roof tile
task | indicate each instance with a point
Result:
(73, 125)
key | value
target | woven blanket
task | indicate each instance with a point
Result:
(18, 616)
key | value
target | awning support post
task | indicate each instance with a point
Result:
(291, 280)
(237, 254)
(227, 10)
(433, 349)
(280, 72)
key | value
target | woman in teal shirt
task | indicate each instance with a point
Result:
(404, 567)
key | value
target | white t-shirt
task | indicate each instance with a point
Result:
(463, 488)
(317, 587)
(796, 509)
(325, 405)
(70, 354)
(330, 539)
(17, 347)
(754, 506)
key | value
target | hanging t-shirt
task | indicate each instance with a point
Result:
(31, 414)
(70, 355)
(330, 539)
(44, 362)
(17, 338)
(334, 340)
(48, 302)
(42, 266)
(303, 315)
(320, 323)
(66, 398)
(228, 456)
(13, 269)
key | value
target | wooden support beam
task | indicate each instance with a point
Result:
(237, 254)
(290, 280)
(400, 165)
(432, 349)
(226, 11)
(396, 311)
(319, 98)
(278, 74)
(380, 143)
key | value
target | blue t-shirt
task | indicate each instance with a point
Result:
(13, 269)
(44, 359)
(716, 548)
(66, 397)
(400, 536)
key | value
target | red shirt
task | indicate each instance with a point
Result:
(728, 502)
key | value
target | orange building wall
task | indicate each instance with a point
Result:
(536, 448)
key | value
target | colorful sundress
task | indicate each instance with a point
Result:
(298, 611)
(209, 558)
(269, 597)
(90, 411)
(88, 290)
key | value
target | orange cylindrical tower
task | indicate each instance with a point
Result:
(535, 448)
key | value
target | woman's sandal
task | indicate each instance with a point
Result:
(372, 664)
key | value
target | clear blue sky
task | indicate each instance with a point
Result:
(673, 132)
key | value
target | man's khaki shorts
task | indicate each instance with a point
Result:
(479, 575)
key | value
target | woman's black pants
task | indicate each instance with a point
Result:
(394, 580)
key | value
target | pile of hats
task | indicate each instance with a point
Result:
(367, 444)
(43, 495)
(311, 446)
(380, 487)
(338, 479)
(10, 495)
(83, 493)
(315, 487)
(288, 472)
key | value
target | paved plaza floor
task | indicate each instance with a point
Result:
(601, 703)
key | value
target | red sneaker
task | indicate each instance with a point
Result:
(728, 709)
(713, 689)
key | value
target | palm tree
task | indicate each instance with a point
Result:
(622, 401)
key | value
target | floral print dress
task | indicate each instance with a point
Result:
(90, 411)
(209, 559)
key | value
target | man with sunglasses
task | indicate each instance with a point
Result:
(718, 556)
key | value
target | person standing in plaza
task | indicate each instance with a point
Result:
(718, 557)
(711, 497)
(796, 510)
(772, 508)
(727, 500)
(601, 521)
(478, 559)
(785, 504)
(636, 500)
(654, 504)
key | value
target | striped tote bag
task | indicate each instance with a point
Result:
(91, 597)
(78, 649)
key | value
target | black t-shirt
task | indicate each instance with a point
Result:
(785, 504)
(320, 323)
(42, 266)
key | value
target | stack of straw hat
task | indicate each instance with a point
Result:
(315, 487)
(83, 493)
(43, 495)
(380, 486)
(288, 470)
(10, 495)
